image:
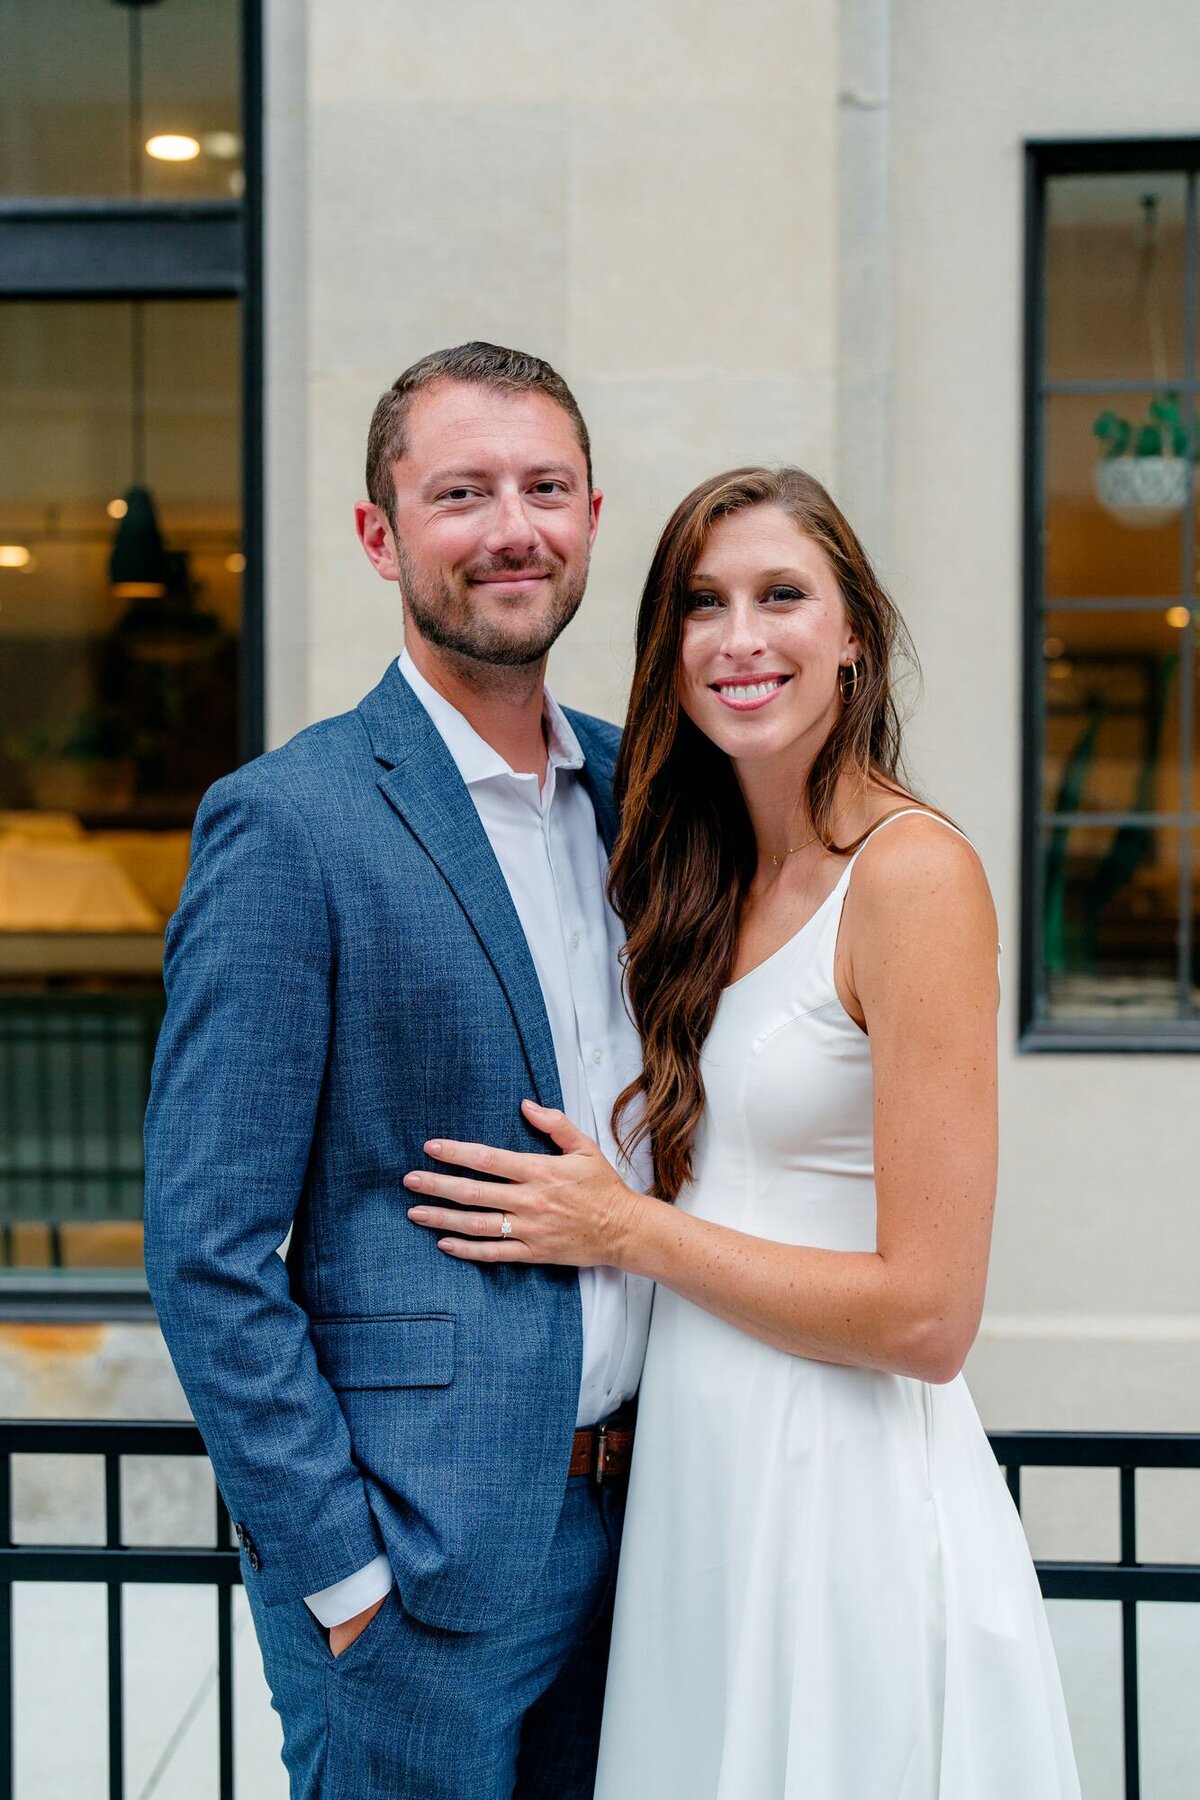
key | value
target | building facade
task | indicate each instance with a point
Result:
(945, 256)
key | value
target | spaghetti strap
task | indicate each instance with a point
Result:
(905, 812)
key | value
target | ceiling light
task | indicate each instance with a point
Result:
(116, 509)
(1178, 616)
(173, 147)
(14, 556)
(137, 566)
(235, 563)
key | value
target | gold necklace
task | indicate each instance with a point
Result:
(781, 857)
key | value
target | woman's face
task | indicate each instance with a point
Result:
(763, 638)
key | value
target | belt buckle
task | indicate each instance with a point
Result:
(601, 1455)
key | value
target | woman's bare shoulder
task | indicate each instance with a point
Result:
(916, 861)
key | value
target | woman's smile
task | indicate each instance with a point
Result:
(749, 693)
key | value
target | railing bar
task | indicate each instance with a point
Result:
(1012, 1474)
(1129, 1640)
(92, 1562)
(100, 1437)
(112, 1500)
(7, 1667)
(225, 1691)
(1129, 1517)
(7, 1673)
(223, 1519)
(116, 1695)
(1129, 1662)
(1098, 1449)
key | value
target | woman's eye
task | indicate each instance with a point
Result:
(784, 593)
(702, 602)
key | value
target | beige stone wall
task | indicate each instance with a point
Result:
(1092, 1302)
(646, 195)
(790, 231)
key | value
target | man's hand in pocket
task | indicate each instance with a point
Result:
(342, 1636)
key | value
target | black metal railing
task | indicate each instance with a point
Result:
(74, 1079)
(115, 1563)
(1127, 1580)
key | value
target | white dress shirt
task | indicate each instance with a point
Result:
(551, 856)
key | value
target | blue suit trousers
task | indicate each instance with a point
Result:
(412, 1711)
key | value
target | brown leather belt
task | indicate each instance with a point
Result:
(602, 1452)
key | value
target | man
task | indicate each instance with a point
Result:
(396, 926)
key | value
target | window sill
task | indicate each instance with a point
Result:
(1109, 1037)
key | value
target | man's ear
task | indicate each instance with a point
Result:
(375, 535)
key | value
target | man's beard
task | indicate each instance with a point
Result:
(443, 614)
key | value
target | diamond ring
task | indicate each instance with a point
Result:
(505, 1225)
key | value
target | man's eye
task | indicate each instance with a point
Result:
(550, 487)
(460, 493)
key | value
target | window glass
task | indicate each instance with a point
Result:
(1114, 611)
(93, 91)
(119, 653)
(1115, 261)
(1110, 922)
(1113, 522)
(1111, 691)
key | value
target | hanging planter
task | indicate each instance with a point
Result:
(1143, 479)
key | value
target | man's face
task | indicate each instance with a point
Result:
(493, 523)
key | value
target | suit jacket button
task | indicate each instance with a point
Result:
(252, 1558)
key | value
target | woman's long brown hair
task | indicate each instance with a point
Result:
(685, 852)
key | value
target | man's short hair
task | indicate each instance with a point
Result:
(475, 365)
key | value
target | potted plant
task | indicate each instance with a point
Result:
(86, 767)
(1143, 477)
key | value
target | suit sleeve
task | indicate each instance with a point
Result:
(234, 1098)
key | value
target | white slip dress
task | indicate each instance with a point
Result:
(825, 1591)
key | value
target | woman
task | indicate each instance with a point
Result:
(825, 1593)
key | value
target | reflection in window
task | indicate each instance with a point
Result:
(120, 625)
(113, 99)
(1113, 654)
(120, 639)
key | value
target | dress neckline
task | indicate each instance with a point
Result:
(900, 812)
(796, 935)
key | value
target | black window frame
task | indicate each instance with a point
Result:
(1045, 159)
(97, 249)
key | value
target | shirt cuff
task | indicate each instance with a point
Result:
(334, 1605)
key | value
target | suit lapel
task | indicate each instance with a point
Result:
(420, 780)
(597, 777)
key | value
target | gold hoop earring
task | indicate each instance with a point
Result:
(849, 689)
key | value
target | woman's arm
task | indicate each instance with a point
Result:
(918, 958)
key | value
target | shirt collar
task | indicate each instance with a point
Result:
(474, 758)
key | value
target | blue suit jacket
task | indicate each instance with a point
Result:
(346, 975)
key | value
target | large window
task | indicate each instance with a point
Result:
(1112, 798)
(129, 577)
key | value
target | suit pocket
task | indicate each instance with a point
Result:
(408, 1350)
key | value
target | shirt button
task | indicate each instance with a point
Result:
(597, 1056)
(574, 940)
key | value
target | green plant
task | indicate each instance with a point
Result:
(1164, 433)
(93, 735)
